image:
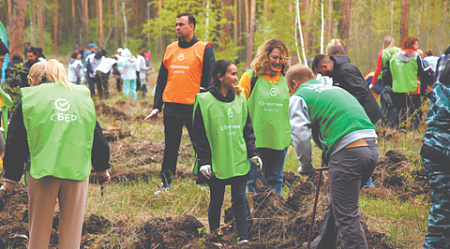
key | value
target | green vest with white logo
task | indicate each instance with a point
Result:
(268, 105)
(60, 123)
(329, 121)
(387, 55)
(224, 125)
(404, 75)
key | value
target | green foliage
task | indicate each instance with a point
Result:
(270, 25)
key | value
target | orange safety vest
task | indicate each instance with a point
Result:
(184, 66)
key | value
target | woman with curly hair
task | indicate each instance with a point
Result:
(267, 96)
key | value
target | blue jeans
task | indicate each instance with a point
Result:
(273, 166)
(217, 191)
(439, 217)
(129, 86)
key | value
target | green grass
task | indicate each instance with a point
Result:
(404, 222)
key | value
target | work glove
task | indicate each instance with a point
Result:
(306, 170)
(8, 185)
(257, 160)
(103, 177)
(206, 171)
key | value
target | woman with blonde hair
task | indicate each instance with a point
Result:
(55, 126)
(267, 96)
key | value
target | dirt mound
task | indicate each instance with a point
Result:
(396, 175)
(14, 219)
(169, 233)
(112, 111)
(280, 223)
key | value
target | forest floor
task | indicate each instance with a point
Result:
(178, 218)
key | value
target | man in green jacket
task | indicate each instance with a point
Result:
(342, 130)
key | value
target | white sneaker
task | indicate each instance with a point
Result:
(162, 190)
(244, 241)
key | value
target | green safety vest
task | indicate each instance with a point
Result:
(268, 105)
(387, 55)
(224, 125)
(60, 125)
(404, 75)
(330, 122)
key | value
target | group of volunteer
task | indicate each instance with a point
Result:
(240, 133)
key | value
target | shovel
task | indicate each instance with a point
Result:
(315, 204)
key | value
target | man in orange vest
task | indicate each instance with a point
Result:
(185, 70)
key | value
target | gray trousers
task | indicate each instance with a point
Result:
(350, 168)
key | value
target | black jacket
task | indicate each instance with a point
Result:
(200, 140)
(348, 77)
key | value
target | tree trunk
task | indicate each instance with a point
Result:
(100, 22)
(250, 36)
(236, 27)
(404, 20)
(322, 25)
(74, 23)
(17, 24)
(86, 23)
(344, 23)
(125, 24)
(55, 28)
(299, 22)
(227, 26)
(306, 23)
(160, 38)
(116, 34)
(41, 19)
(9, 17)
(329, 25)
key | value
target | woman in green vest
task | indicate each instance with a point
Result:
(406, 68)
(267, 96)
(225, 144)
(55, 126)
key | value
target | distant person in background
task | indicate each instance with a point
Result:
(435, 154)
(143, 68)
(102, 73)
(26, 47)
(440, 65)
(118, 78)
(75, 69)
(148, 58)
(92, 63)
(15, 78)
(383, 78)
(336, 50)
(58, 171)
(128, 64)
(265, 83)
(32, 57)
(40, 54)
(332, 43)
(430, 60)
(406, 68)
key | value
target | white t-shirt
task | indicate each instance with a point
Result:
(94, 63)
(106, 65)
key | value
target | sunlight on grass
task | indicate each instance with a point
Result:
(404, 222)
